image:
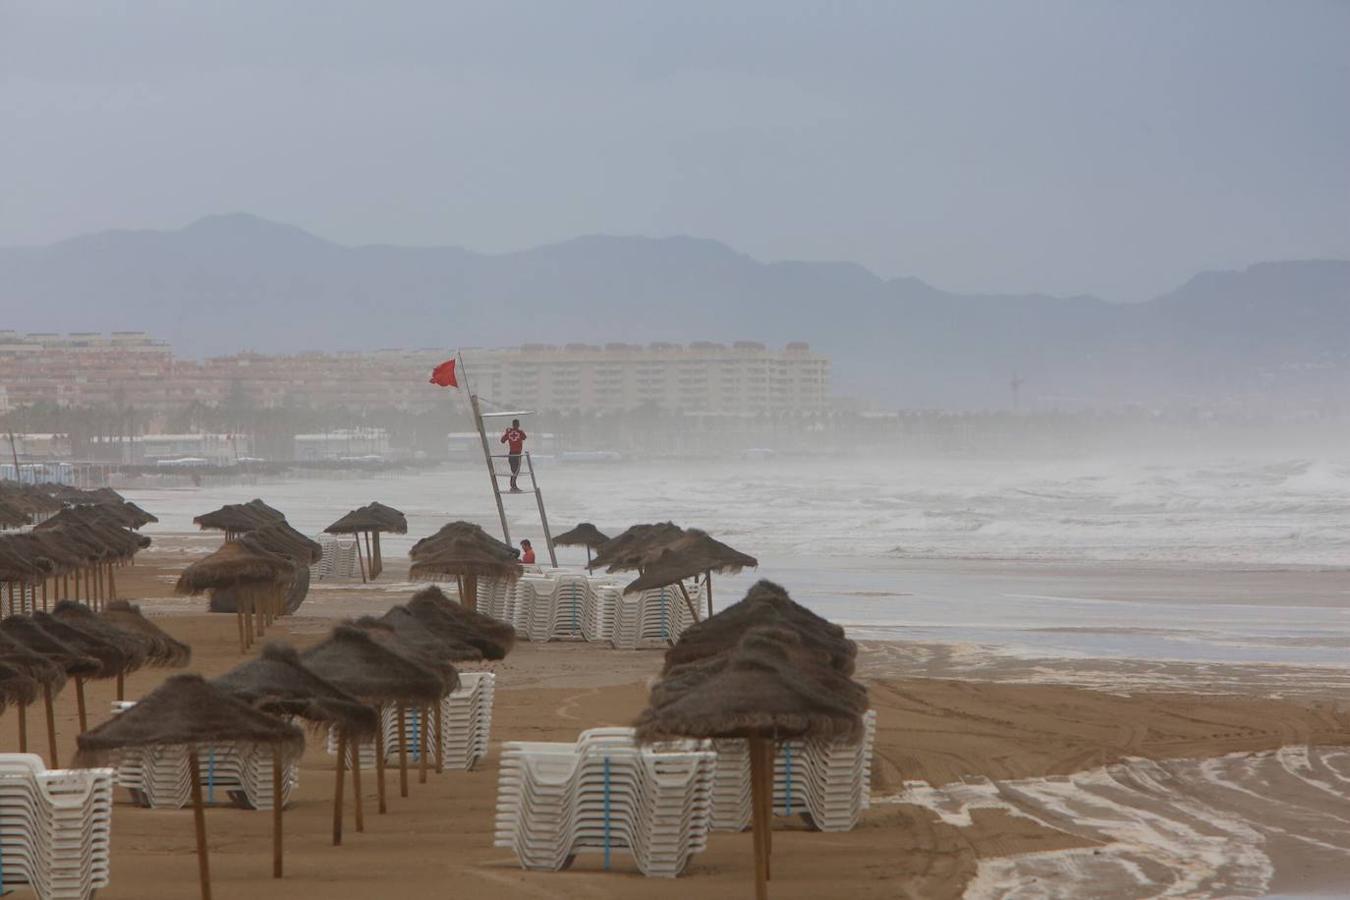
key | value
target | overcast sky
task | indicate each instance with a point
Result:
(1075, 147)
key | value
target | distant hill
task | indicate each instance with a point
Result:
(233, 282)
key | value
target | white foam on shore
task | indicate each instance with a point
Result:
(1176, 828)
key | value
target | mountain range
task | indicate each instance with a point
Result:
(1270, 333)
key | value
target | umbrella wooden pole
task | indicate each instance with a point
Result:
(44, 595)
(199, 820)
(379, 764)
(471, 587)
(121, 685)
(767, 752)
(51, 724)
(359, 561)
(10, 586)
(370, 556)
(112, 585)
(277, 807)
(79, 703)
(23, 728)
(707, 586)
(423, 714)
(337, 790)
(402, 751)
(759, 824)
(377, 558)
(356, 787)
(239, 617)
(440, 738)
(258, 621)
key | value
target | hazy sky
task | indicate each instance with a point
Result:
(1104, 147)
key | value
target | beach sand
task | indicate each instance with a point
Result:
(934, 734)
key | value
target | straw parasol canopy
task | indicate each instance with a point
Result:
(136, 648)
(584, 535)
(277, 682)
(280, 538)
(353, 660)
(16, 686)
(187, 710)
(371, 517)
(231, 566)
(766, 686)
(12, 516)
(451, 646)
(236, 518)
(111, 655)
(466, 558)
(765, 604)
(693, 553)
(164, 650)
(44, 672)
(416, 643)
(492, 637)
(632, 548)
(460, 531)
(23, 630)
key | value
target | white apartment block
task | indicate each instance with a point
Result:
(743, 378)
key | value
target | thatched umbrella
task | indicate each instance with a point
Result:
(42, 673)
(50, 546)
(19, 566)
(689, 555)
(238, 518)
(136, 649)
(165, 650)
(451, 643)
(187, 711)
(493, 638)
(421, 645)
(104, 543)
(765, 604)
(111, 654)
(255, 577)
(370, 520)
(17, 687)
(11, 516)
(356, 662)
(468, 559)
(584, 535)
(23, 630)
(632, 548)
(765, 689)
(278, 682)
(283, 540)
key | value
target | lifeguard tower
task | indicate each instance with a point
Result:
(496, 462)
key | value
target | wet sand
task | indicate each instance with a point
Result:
(934, 735)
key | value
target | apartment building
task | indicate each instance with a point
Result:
(743, 378)
(132, 369)
(89, 369)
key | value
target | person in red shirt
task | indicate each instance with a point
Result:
(514, 439)
(526, 553)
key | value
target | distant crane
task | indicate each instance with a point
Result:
(1016, 385)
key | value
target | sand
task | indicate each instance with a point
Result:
(438, 841)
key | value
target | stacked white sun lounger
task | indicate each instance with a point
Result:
(23, 601)
(466, 724)
(54, 827)
(160, 777)
(563, 605)
(603, 795)
(338, 560)
(827, 780)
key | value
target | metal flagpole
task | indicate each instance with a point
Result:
(487, 452)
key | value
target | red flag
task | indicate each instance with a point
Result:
(444, 374)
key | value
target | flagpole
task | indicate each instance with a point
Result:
(487, 452)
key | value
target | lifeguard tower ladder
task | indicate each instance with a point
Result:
(495, 474)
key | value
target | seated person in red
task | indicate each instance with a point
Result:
(526, 553)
